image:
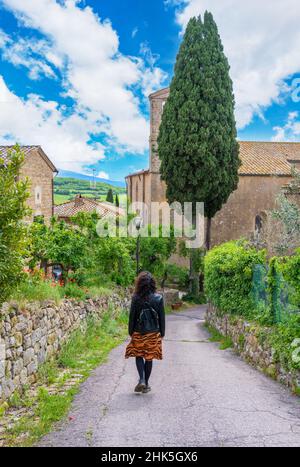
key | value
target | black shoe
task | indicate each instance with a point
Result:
(146, 389)
(140, 386)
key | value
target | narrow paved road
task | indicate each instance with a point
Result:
(201, 396)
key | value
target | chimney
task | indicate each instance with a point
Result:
(78, 200)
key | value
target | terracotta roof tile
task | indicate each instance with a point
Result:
(82, 204)
(140, 172)
(4, 150)
(260, 158)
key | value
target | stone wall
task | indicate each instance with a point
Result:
(157, 101)
(254, 196)
(32, 334)
(247, 343)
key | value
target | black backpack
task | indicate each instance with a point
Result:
(148, 320)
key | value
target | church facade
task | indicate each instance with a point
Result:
(265, 171)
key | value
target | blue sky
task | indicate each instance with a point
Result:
(75, 75)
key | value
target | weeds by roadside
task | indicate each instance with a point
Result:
(30, 415)
(216, 336)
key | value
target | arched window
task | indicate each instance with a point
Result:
(258, 224)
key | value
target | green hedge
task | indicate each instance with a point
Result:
(284, 339)
(291, 273)
(239, 280)
(228, 271)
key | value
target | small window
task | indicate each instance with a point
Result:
(38, 195)
(137, 191)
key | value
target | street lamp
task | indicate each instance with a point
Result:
(138, 221)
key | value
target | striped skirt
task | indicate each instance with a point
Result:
(148, 346)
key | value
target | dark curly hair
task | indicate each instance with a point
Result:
(145, 285)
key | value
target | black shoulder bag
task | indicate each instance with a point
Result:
(148, 320)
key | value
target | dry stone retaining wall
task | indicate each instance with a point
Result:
(32, 334)
(246, 342)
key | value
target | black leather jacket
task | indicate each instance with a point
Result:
(157, 302)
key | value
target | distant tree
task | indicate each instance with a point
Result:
(13, 196)
(117, 201)
(110, 196)
(155, 252)
(197, 140)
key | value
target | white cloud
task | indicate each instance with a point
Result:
(103, 175)
(153, 76)
(290, 131)
(22, 52)
(262, 42)
(39, 122)
(95, 74)
(134, 32)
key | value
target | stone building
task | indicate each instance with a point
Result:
(40, 172)
(265, 170)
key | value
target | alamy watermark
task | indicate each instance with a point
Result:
(157, 220)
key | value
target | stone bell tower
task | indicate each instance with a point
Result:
(157, 101)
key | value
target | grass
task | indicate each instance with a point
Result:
(86, 349)
(216, 336)
(39, 290)
(48, 372)
(36, 291)
(95, 343)
(96, 291)
(61, 199)
(48, 410)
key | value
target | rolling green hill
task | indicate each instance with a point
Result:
(66, 189)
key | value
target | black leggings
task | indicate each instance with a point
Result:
(144, 368)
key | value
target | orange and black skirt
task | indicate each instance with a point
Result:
(148, 346)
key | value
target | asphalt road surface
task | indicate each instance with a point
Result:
(201, 396)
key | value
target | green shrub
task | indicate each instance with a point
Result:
(238, 281)
(78, 276)
(14, 192)
(177, 275)
(229, 270)
(282, 339)
(290, 268)
(196, 299)
(72, 290)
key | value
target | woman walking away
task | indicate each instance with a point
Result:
(146, 328)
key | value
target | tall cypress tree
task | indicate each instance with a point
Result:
(197, 140)
(117, 202)
(110, 196)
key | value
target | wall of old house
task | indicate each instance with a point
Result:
(41, 185)
(255, 194)
(139, 190)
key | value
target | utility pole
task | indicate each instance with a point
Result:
(93, 183)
